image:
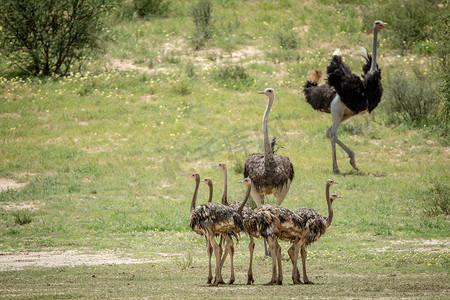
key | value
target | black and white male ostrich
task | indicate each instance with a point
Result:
(214, 219)
(314, 225)
(345, 94)
(270, 173)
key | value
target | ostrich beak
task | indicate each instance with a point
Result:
(241, 181)
(383, 24)
(261, 92)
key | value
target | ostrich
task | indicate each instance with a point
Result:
(250, 225)
(213, 219)
(273, 223)
(270, 173)
(313, 226)
(345, 94)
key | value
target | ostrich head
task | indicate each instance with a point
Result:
(330, 182)
(207, 180)
(223, 166)
(334, 196)
(268, 91)
(247, 181)
(196, 176)
(377, 25)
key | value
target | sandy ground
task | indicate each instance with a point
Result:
(19, 261)
(11, 184)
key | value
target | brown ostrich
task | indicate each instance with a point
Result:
(313, 226)
(345, 95)
(250, 225)
(214, 219)
(270, 173)
(275, 222)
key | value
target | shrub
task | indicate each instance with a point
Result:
(410, 21)
(46, 36)
(22, 217)
(234, 77)
(438, 201)
(287, 38)
(413, 99)
(202, 15)
(151, 8)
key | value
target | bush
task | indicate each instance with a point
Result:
(202, 15)
(287, 38)
(151, 8)
(438, 202)
(412, 99)
(46, 36)
(234, 77)
(410, 21)
(22, 217)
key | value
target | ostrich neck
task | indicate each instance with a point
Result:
(225, 187)
(330, 208)
(373, 67)
(210, 191)
(194, 198)
(268, 154)
(247, 195)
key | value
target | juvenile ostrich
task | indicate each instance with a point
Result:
(345, 94)
(270, 173)
(214, 219)
(276, 222)
(250, 225)
(313, 226)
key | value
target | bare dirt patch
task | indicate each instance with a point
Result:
(9, 115)
(422, 245)
(23, 260)
(19, 206)
(10, 184)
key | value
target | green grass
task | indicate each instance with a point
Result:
(107, 152)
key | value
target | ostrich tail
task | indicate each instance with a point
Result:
(337, 52)
(361, 51)
(315, 76)
(311, 82)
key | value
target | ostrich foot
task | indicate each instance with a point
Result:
(309, 282)
(272, 282)
(217, 282)
(296, 281)
(353, 163)
(231, 281)
(250, 280)
(209, 280)
(336, 171)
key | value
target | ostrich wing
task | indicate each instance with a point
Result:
(319, 97)
(349, 86)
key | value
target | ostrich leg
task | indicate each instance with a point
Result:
(257, 197)
(337, 115)
(218, 254)
(209, 249)
(293, 254)
(273, 245)
(280, 272)
(280, 195)
(251, 247)
(229, 248)
(305, 277)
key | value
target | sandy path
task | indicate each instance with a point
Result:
(22, 260)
